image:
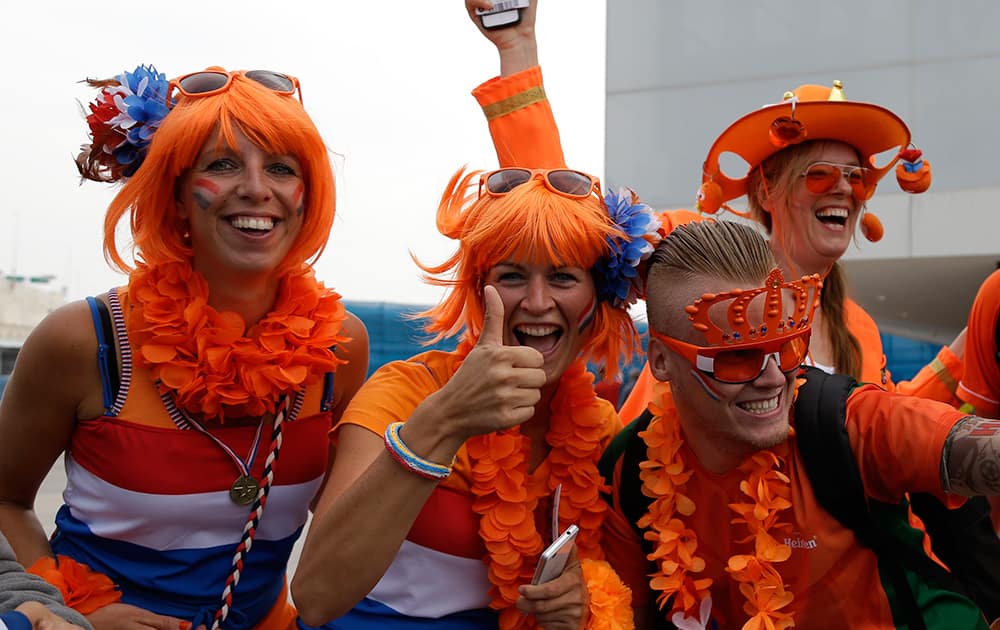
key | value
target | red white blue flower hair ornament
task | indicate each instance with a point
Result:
(617, 275)
(122, 121)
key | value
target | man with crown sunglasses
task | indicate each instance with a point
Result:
(725, 478)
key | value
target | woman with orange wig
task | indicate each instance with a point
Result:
(467, 463)
(191, 405)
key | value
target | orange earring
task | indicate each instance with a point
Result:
(872, 228)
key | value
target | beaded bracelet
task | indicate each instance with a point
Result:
(410, 460)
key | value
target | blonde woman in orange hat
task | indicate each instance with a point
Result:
(812, 166)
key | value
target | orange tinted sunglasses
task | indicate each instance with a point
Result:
(562, 181)
(211, 82)
(821, 177)
(745, 362)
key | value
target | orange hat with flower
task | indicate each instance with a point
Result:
(814, 112)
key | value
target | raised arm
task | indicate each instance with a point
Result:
(520, 118)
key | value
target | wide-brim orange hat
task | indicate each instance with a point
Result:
(812, 112)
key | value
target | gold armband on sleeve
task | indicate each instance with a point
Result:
(515, 102)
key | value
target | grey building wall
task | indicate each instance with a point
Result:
(679, 72)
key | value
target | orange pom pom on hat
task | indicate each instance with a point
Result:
(813, 112)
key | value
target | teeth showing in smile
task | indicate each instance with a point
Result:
(252, 223)
(759, 406)
(537, 331)
(833, 215)
(541, 337)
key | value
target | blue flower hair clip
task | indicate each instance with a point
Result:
(122, 121)
(617, 274)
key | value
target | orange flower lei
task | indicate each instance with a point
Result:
(215, 366)
(506, 503)
(81, 588)
(664, 476)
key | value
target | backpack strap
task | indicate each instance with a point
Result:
(821, 434)
(629, 447)
(631, 450)
(107, 361)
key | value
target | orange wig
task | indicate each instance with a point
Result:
(276, 123)
(530, 223)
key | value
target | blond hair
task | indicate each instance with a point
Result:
(725, 250)
(768, 188)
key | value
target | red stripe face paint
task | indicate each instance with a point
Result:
(706, 384)
(204, 191)
(298, 198)
(587, 315)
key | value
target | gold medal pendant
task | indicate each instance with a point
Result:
(244, 490)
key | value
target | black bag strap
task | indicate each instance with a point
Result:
(821, 433)
(629, 447)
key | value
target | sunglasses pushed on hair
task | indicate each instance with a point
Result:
(745, 362)
(562, 181)
(211, 82)
(821, 177)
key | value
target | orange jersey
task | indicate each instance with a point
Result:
(395, 390)
(980, 385)
(897, 441)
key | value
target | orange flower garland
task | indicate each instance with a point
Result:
(610, 604)
(81, 588)
(215, 366)
(665, 476)
(506, 503)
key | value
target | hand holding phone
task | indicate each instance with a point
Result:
(553, 560)
(503, 14)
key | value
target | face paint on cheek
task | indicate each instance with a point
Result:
(298, 199)
(204, 192)
(706, 385)
(587, 315)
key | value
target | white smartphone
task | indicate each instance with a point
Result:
(504, 13)
(553, 559)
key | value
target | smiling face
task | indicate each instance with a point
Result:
(546, 307)
(815, 229)
(723, 423)
(244, 206)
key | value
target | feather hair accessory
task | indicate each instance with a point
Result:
(619, 280)
(122, 120)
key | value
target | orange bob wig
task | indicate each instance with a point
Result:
(276, 123)
(530, 223)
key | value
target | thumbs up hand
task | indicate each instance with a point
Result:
(497, 386)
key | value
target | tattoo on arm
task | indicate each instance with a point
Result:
(970, 464)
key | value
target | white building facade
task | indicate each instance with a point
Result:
(680, 71)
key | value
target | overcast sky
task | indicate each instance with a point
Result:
(387, 83)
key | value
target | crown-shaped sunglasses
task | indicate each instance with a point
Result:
(740, 354)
